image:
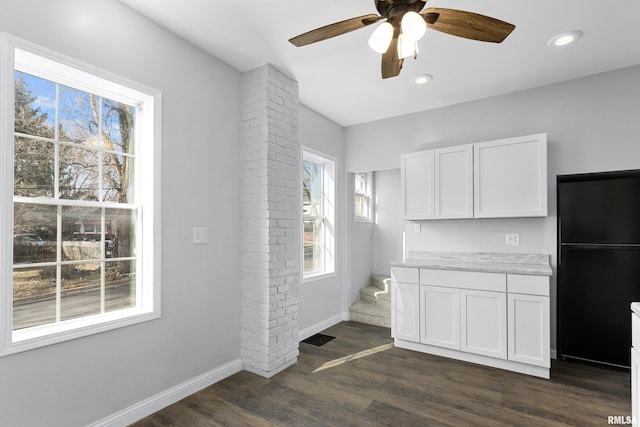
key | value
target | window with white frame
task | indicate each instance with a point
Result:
(318, 207)
(362, 196)
(82, 222)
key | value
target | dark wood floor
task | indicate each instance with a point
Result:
(360, 379)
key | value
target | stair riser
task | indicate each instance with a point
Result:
(370, 320)
(381, 300)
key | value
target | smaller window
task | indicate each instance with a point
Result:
(362, 196)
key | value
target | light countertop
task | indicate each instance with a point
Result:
(509, 263)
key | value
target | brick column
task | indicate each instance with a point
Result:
(271, 213)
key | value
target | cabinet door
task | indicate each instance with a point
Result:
(529, 329)
(440, 316)
(417, 185)
(483, 323)
(510, 177)
(454, 182)
(635, 382)
(405, 311)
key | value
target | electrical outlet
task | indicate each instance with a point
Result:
(417, 228)
(200, 235)
(512, 239)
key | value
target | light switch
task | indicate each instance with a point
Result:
(200, 235)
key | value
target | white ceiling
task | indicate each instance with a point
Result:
(340, 77)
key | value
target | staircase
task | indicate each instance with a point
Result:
(374, 306)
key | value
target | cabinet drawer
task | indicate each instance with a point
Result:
(404, 274)
(464, 279)
(531, 285)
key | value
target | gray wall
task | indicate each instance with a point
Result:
(387, 231)
(592, 125)
(81, 381)
(360, 262)
(325, 298)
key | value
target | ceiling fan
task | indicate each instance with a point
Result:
(405, 24)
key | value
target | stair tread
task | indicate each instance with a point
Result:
(381, 281)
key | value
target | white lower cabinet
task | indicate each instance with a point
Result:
(440, 316)
(483, 323)
(635, 381)
(529, 329)
(500, 320)
(406, 311)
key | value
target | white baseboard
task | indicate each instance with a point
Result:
(321, 326)
(161, 400)
(554, 354)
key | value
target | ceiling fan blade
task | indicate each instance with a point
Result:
(391, 64)
(334, 29)
(470, 25)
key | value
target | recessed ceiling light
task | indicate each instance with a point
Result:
(421, 79)
(565, 38)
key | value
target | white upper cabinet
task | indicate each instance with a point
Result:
(417, 182)
(493, 179)
(454, 182)
(510, 177)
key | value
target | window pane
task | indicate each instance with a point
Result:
(34, 228)
(360, 183)
(362, 206)
(121, 233)
(33, 168)
(117, 181)
(313, 246)
(120, 285)
(81, 290)
(35, 103)
(78, 173)
(81, 233)
(312, 188)
(118, 124)
(34, 296)
(78, 117)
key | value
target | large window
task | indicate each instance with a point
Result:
(318, 208)
(81, 216)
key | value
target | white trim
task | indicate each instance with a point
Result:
(523, 368)
(321, 326)
(172, 395)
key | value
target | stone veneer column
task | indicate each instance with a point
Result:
(270, 222)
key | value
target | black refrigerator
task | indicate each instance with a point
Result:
(598, 265)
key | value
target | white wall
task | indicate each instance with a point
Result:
(84, 380)
(325, 298)
(592, 124)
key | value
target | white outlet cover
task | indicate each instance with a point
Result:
(417, 228)
(200, 235)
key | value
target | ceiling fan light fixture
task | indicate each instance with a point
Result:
(413, 26)
(564, 39)
(381, 37)
(406, 47)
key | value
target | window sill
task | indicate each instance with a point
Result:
(317, 277)
(36, 337)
